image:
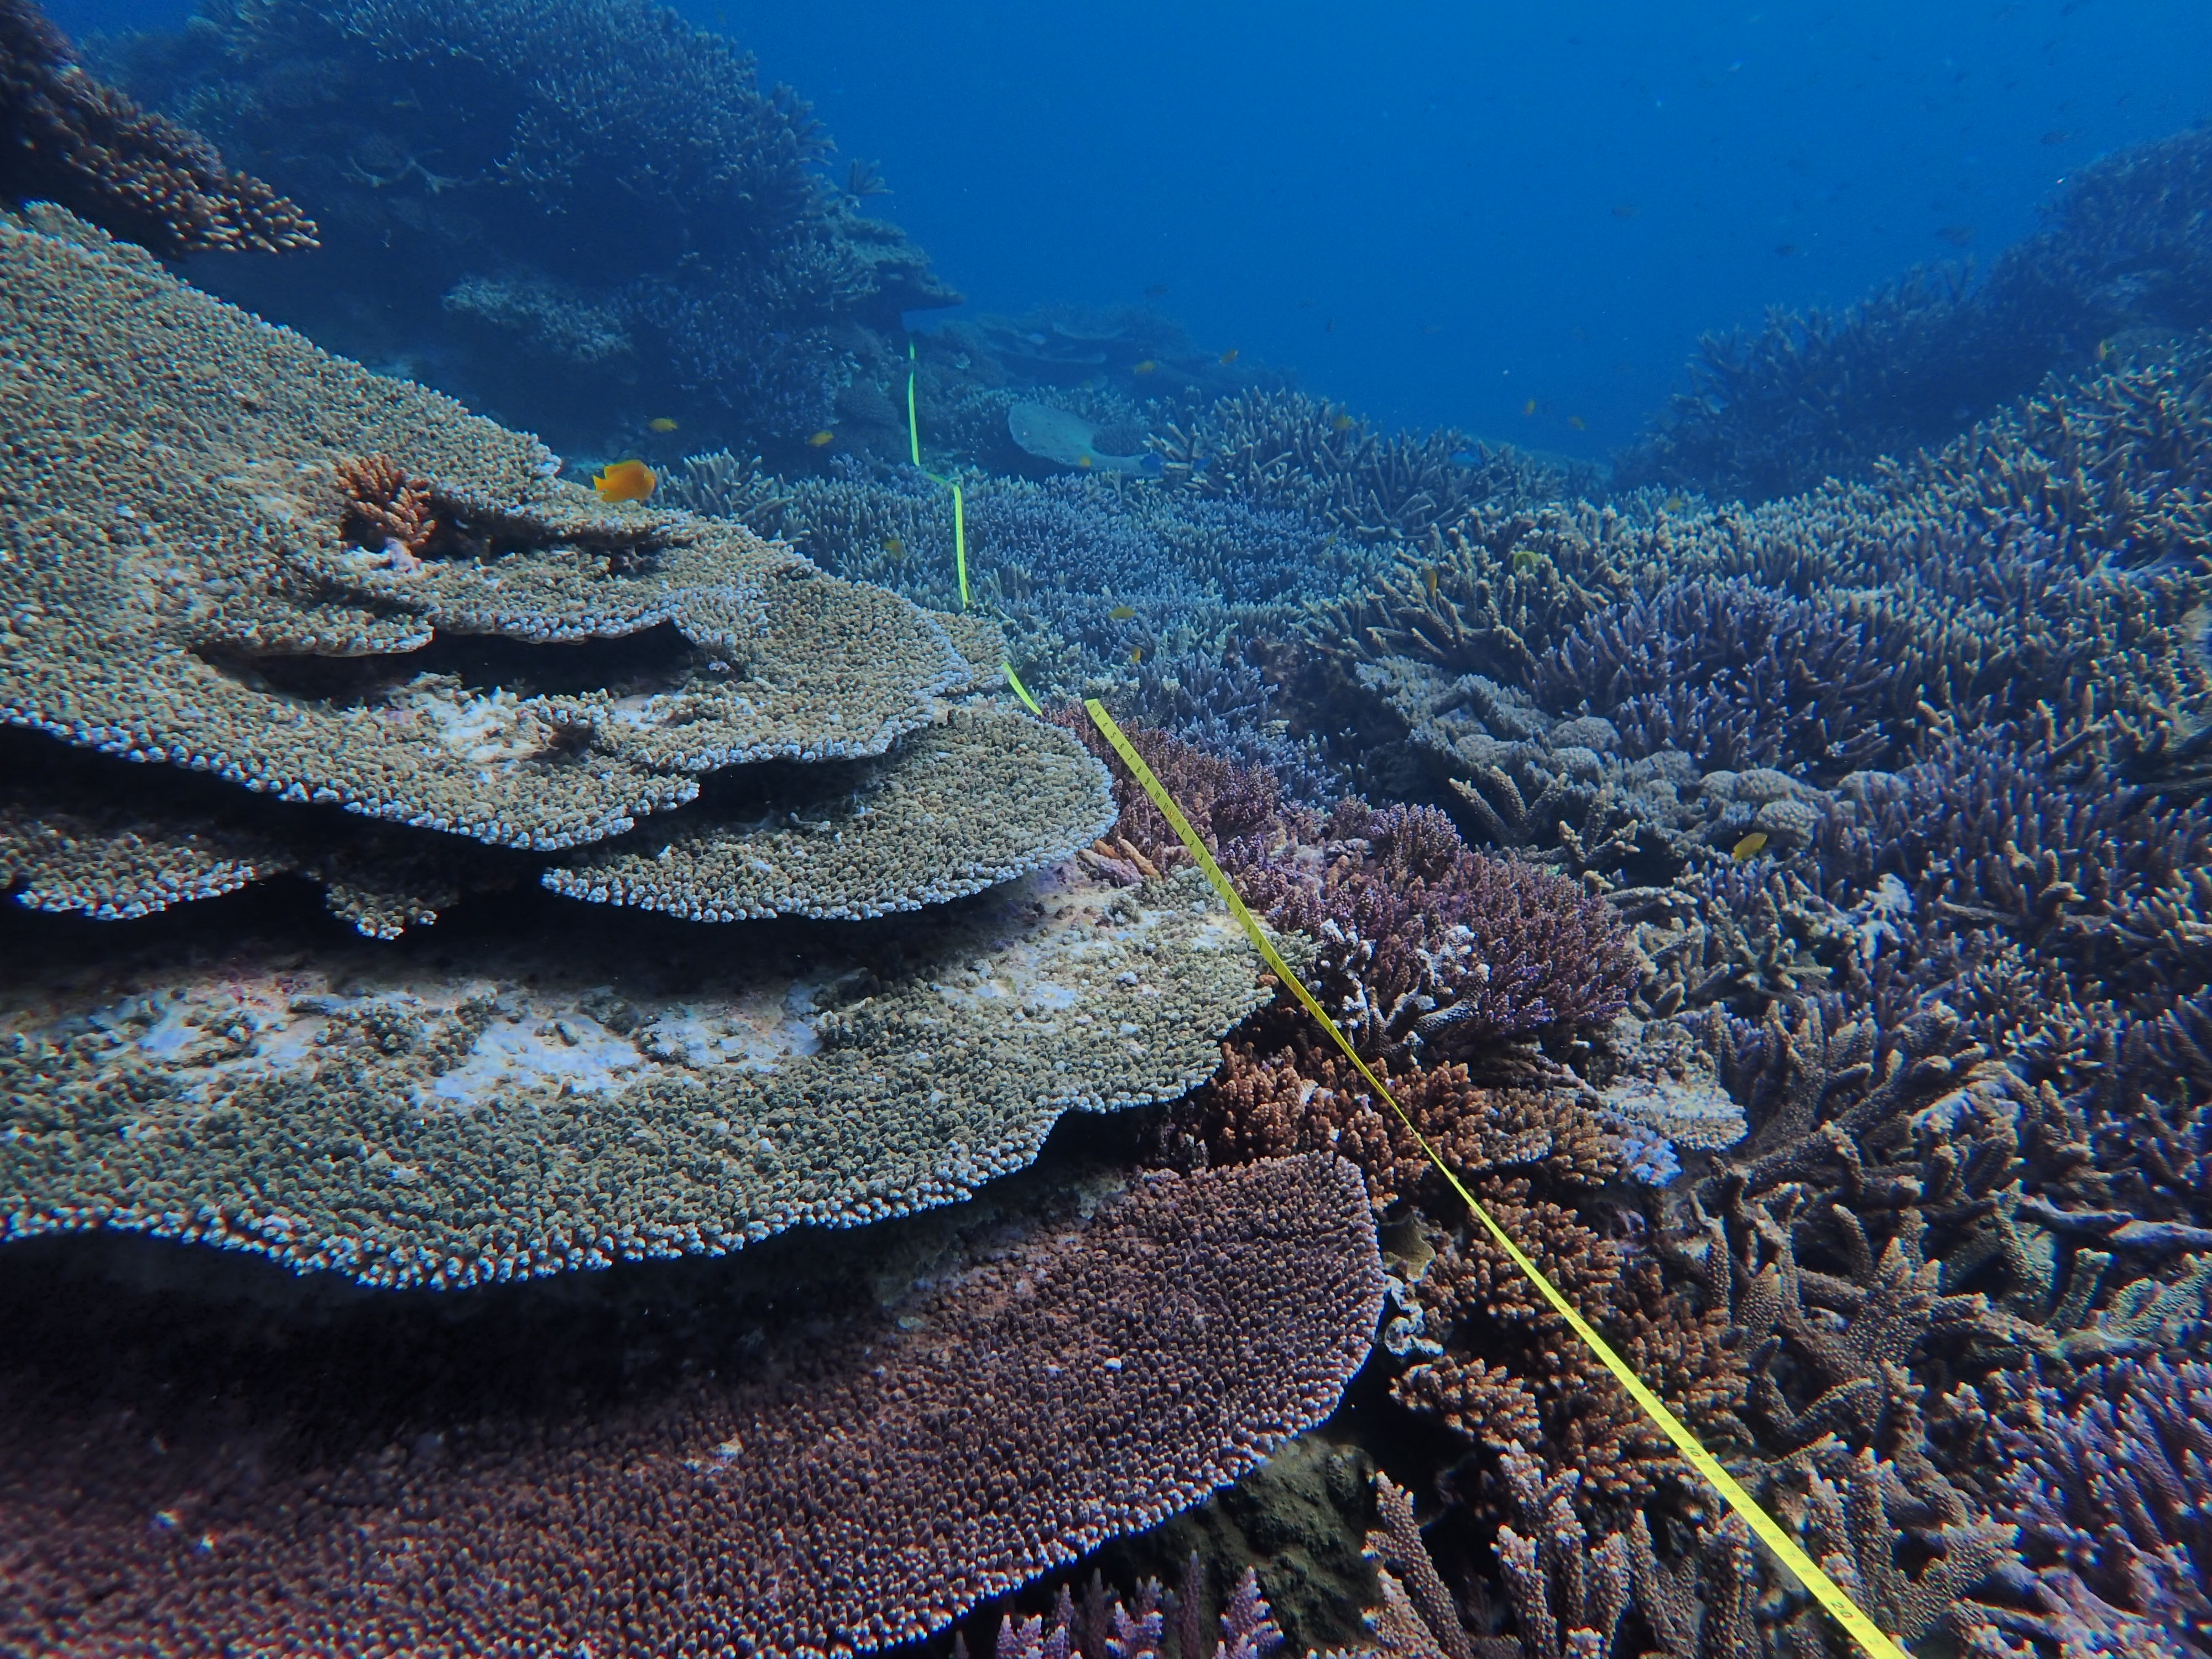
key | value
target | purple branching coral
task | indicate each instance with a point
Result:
(1734, 675)
(2110, 1483)
(1166, 1625)
(1428, 949)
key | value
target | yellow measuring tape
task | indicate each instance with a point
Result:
(1022, 691)
(1823, 1589)
(960, 508)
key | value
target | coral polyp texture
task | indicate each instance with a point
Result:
(831, 1450)
(66, 138)
(180, 588)
(553, 1101)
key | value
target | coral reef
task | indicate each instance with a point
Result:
(709, 1105)
(1426, 948)
(1285, 449)
(743, 288)
(2108, 1481)
(65, 138)
(829, 1450)
(2121, 257)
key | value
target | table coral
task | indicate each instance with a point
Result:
(540, 1100)
(830, 1451)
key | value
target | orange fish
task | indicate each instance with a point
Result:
(625, 481)
(1145, 367)
(824, 436)
(1529, 408)
(1229, 355)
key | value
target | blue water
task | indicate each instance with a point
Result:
(1439, 212)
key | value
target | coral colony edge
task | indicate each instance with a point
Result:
(579, 1075)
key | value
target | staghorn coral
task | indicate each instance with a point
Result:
(1223, 802)
(1493, 592)
(1264, 1104)
(388, 510)
(1285, 449)
(1426, 947)
(1101, 1626)
(1568, 1597)
(1508, 1372)
(67, 138)
(2108, 1479)
(831, 1451)
(1731, 674)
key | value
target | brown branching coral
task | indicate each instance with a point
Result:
(1307, 1098)
(67, 138)
(386, 509)
(1511, 1374)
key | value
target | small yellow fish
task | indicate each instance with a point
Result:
(1578, 422)
(1136, 654)
(1229, 355)
(1146, 366)
(1122, 613)
(625, 481)
(2104, 351)
(1344, 423)
(895, 547)
(661, 423)
(1524, 560)
(1749, 846)
(824, 436)
(1674, 504)
(1529, 408)
(1083, 460)
(1429, 581)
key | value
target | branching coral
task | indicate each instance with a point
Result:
(2122, 247)
(1731, 674)
(1283, 448)
(1305, 1098)
(2110, 1482)
(386, 509)
(1426, 947)
(67, 138)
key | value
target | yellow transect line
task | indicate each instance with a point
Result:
(1771, 1532)
(1022, 691)
(960, 508)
